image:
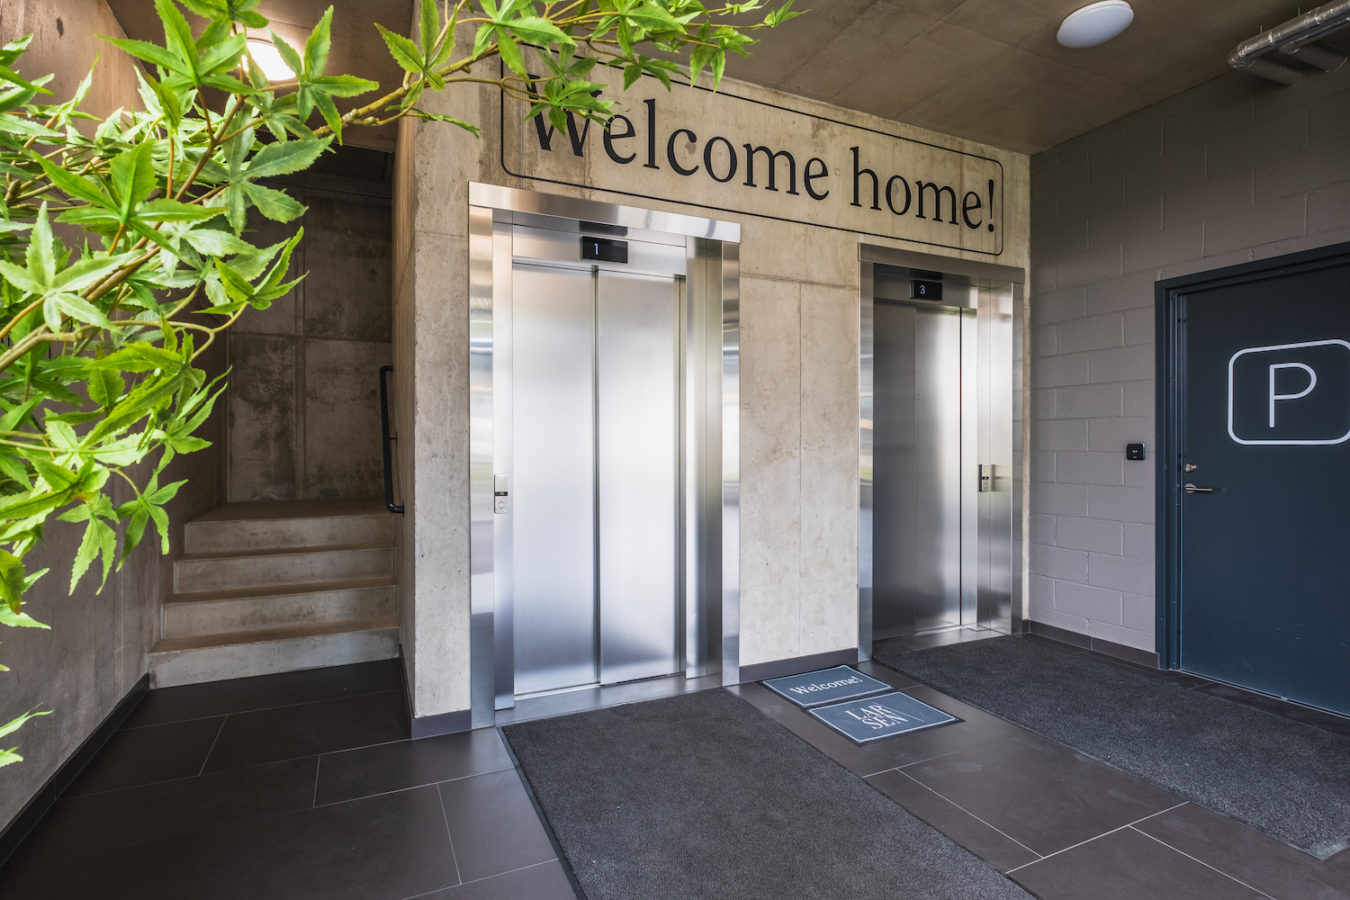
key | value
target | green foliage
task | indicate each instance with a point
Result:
(11, 755)
(100, 339)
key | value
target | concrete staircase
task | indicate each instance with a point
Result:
(276, 587)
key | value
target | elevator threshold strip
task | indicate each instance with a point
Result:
(848, 701)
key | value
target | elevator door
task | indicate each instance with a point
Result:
(923, 510)
(594, 476)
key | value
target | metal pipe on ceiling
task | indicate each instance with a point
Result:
(1293, 39)
(1324, 58)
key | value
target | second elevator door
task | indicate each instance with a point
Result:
(923, 468)
(595, 435)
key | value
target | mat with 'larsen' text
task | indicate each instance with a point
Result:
(873, 718)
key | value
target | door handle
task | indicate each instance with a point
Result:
(1192, 489)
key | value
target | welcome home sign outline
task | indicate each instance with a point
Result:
(847, 185)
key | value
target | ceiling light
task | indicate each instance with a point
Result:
(269, 60)
(1095, 24)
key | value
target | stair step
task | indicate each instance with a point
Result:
(192, 660)
(277, 606)
(227, 572)
(247, 527)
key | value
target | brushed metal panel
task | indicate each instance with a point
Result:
(730, 470)
(498, 398)
(702, 468)
(866, 457)
(484, 580)
(968, 271)
(972, 373)
(894, 442)
(1021, 396)
(637, 390)
(996, 566)
(553, 478)
(938, 473)
(917, 469)
(512, 202)
(648, 257)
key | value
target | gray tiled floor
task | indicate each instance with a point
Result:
(1059, 823)
(290, 786)
(305, 785)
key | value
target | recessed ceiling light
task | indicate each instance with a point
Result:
(1095, 24)
(265, 54)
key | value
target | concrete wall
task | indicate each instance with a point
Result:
(799, 383)
(304, 397)
(96, 650)
(1231, 171)
(65, 43)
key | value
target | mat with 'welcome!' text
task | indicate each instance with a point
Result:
(825, 686)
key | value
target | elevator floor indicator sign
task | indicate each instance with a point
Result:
(825, 686)
(873, 718)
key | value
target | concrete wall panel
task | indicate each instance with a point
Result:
(265, 447)
(342, 385)
(306, 368)
(771, 506)
(348, 260)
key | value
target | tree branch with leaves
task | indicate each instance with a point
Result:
(101, 337)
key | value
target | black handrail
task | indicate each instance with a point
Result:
(389, 503)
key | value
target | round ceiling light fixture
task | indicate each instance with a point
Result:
(268, 58)
(1095, 24)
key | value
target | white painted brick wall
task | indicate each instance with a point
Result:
(1232, 171)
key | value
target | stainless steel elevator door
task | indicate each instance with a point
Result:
(922, 410)
(553, 478)
(637, 394)
(595, 476)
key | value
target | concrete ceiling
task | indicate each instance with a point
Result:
(987, 70)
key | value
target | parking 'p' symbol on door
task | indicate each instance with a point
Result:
(1290, 394)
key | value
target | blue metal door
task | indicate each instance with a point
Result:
(1263, 487)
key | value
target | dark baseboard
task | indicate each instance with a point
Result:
(445, 723)
(1096, 645)
(429, 726)
(779, 667)
(46, 797)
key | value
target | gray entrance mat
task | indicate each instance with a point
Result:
(703, 796)
(1285, 778)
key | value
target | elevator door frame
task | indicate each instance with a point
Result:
(709, 414)
(1000, 364)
